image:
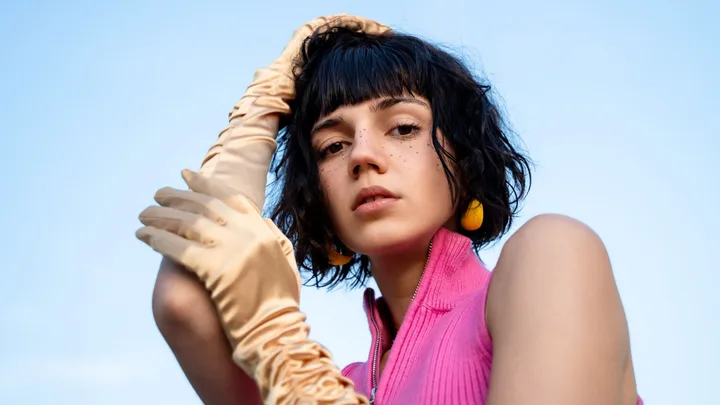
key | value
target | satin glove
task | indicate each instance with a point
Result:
(248, 267)
(242, 153)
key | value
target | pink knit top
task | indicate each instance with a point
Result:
(442, 353)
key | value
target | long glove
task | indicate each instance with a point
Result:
(259, 312)
(247, 265)
(241, 155)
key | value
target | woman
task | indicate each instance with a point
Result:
(396, 166)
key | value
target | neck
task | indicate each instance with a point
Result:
(397, 277)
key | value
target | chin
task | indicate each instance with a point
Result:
(389, 237)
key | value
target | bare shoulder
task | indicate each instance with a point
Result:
(553, 304)
(549, 229)
(551, 250)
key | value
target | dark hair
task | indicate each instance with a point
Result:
(340, 67)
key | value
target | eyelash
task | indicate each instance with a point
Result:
(415, 128)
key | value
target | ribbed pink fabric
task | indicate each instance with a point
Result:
(442, 353)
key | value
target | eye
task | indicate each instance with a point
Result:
(403, 130)
(331, 149)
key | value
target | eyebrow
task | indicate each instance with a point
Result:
(326, 124)
(384, 104)
(381, 105)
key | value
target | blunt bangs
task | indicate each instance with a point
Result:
(357, 70)
(339, 67)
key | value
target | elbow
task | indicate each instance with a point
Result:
(180, 304)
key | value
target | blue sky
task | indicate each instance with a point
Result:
(102, 104)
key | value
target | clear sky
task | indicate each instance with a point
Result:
(100, 105)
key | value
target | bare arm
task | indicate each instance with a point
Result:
(190, 325)
(559, 330)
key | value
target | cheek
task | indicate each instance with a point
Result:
(331, 176)
(421, 158)
(431, 176)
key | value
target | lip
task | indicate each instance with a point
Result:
(369, 192)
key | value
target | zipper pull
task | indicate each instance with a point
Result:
(372, 395)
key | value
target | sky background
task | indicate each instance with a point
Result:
(102, 103)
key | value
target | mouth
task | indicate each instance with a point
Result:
(371, 194)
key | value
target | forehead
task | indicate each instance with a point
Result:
(381, 104)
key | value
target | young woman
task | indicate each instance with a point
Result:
(396, 165)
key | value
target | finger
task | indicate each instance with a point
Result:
(188, 225)
(190, 201)
(209, 186)
(357, 23)
(168, 244)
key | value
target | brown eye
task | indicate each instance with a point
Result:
(331, 149)
(405, 130)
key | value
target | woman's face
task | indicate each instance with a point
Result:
(385, 186)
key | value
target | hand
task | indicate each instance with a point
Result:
(219, 235)
(241, 155)
(294, 47)
(247, 265)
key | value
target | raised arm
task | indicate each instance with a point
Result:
(183, 310)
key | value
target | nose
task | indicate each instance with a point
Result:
(367, 154)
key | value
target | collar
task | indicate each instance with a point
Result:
(453, 271)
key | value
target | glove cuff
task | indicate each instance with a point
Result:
(290, 368)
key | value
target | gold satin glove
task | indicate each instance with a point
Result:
(248, 267)
(241, 155)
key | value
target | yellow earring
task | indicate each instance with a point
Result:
(336, 258)
(473, 218)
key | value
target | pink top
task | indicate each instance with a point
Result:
(443, 352)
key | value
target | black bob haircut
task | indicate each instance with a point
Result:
(340, 67)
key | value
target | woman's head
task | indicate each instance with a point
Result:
(395, 117)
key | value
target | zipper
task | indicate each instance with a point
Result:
(373, 390)
(374, 357)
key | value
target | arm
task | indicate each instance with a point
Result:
(189, 323)
(188, 316)
(559, 330)
(248, 267)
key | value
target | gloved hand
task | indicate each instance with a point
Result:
(241, 155)
(248, 267)
(255, 286)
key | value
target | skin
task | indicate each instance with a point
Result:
(385, 143)
(560, 334)
(187, 320)
(559, 330)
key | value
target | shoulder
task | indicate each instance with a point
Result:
(553, 231)
(549, 246)
(551, 263)
(553, 305)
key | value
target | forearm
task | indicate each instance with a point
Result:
(241, 155)
(189, 323)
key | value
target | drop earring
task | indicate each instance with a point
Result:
(336, 258)
(473, 218)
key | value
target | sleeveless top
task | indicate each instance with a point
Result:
(442, 353)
